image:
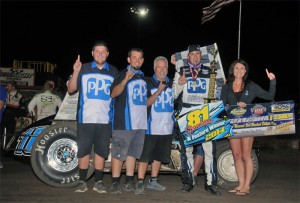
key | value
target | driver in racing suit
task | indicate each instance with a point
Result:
(190, 88)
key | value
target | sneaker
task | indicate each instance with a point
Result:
(187, 188)
(1, 165)
(212, 189)
(154, 185)
(140, 188)
(99, 187)
(115, 188)
(81, 187)
(129, 186)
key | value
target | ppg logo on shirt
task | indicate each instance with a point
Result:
(98, 88)
(196, 86)
(139, 96)
(164, 102)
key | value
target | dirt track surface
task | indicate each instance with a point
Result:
(278, 181)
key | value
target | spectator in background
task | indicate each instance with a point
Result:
(3, 97)
(12, 110)
(46, 103)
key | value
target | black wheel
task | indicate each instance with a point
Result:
(54, 156)
(227, 178)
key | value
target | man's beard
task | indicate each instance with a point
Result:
(136, 67)
(99, 63)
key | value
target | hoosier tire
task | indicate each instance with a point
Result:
(54, 156)
(227, 178)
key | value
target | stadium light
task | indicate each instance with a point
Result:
(141, 12)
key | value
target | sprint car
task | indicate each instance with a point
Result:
(51, 146)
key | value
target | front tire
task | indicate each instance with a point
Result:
(54, 156)
(227, 178)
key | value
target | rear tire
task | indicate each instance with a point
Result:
(54, 156)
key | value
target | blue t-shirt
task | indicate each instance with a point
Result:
(3, 96)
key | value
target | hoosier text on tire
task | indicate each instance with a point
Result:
(54, 155)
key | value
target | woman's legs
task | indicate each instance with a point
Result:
(247, 143)
(236, 148)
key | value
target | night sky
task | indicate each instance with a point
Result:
(57, 31)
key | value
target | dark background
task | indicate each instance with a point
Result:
(57, 31)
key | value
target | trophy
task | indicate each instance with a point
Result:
(213, 73)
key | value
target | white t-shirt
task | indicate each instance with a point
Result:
(46, 103)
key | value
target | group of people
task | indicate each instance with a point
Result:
(13, 106)
(10, 109)
(137, 114)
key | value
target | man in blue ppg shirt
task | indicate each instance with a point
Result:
(158, 139)
(94, 112)
(130, 119)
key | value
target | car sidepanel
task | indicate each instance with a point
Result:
(26, 140)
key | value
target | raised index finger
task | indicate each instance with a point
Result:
(267, 71)
(78, 57)
(183, 74)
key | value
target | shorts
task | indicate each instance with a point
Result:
(158, 148)
(127, 143)
(93, 134)
(198, 149)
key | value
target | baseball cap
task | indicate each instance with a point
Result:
(194, 47)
